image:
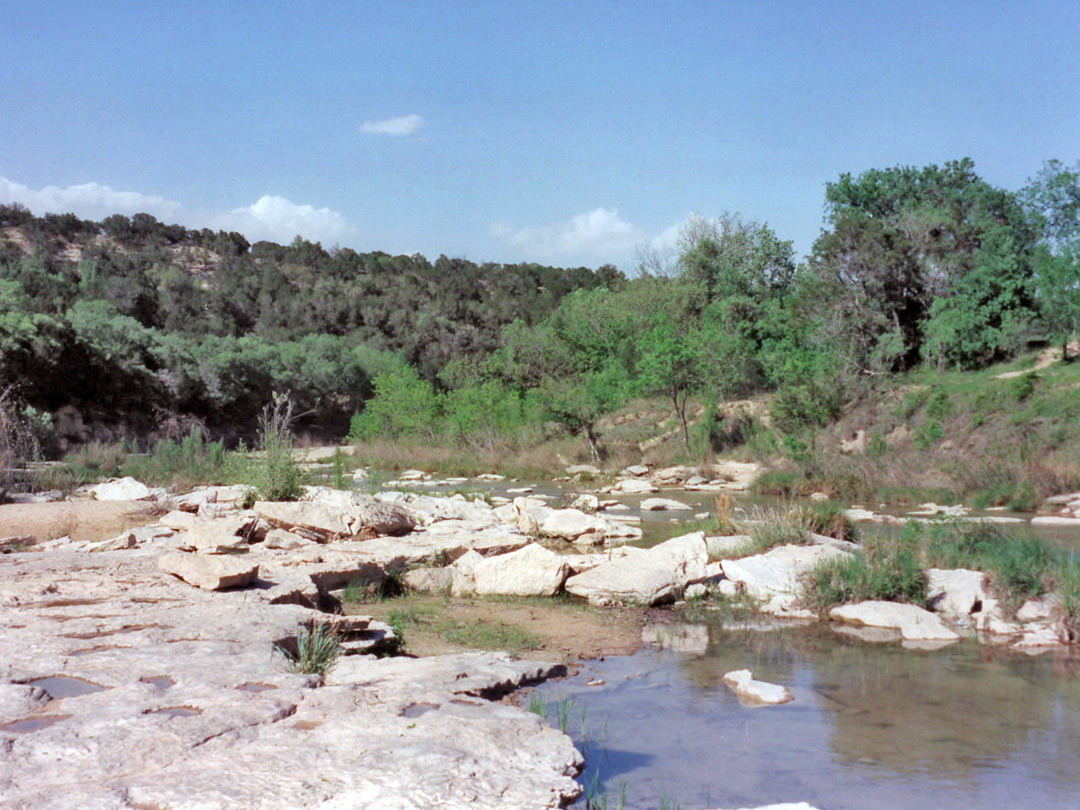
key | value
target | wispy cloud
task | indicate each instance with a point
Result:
(598, 234)
(270, 217)
(402, 125)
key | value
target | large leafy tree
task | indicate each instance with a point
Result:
(909, 251)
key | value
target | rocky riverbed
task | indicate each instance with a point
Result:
(147, 669)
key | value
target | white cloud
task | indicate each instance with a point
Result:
(88, 201)
(598, 233)
(402, 125)
(278, 219)
(271, 217)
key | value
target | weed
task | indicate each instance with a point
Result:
(938, 406)
(1022, 387)
(562, 713)
(537, 704)
(669, 802)
(316, 652)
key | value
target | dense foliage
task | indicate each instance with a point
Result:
(147, 328)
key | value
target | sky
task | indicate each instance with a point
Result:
(566, 133)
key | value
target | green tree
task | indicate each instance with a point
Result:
(671, 364)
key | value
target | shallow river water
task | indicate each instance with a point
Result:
(872, 726)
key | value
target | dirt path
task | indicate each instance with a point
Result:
(79, 520)
(1047, 357)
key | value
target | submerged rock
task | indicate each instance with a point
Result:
(756, 693)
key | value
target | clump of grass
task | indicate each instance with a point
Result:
(888, 569)
(769, 528)
(187, 463)
(488, 635)
(317, 650)
(361, 591)
(274, 475)
(537, 704)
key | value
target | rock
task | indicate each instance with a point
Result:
(210, 572)
(529, 571)
(819, 496)
(586, 502)
(285, 541)
(413, 475)
(652, 576)
(1040, 609)
(775, 577)
(490, 477)
(784, 806)
(696, 590)
(663, 505)
(958, 593)
(756, 693)
(121, 489)
(134, 538)
(347, 515)
(633, 486)
(428, 580)
(912, 622)
(218, 536)
(573, 525)
(189, 705)
(937, 510)
(636, 470)
(178, 521)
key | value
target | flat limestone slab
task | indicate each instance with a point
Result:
(913, 623)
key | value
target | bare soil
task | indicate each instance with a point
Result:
(566, 630)
(79, 520)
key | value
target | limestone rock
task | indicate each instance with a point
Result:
(774, 577)
(637, 470)
(912, 622)
(573, 525)
(529, 571)
(346, 515)
(958, 592)
(583, 469)
(663, 505)
(210, 572)
(586, 502)
(652, 576)
(285, 541)
(218, 536)
(121, 489)
(756, 693)
(633, 486)
(428, 580)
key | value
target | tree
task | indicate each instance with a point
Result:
(1052, 200)
(671, 364)
(900, 240)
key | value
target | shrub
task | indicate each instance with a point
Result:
(887, 569)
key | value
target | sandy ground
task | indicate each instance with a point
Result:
(79, 520)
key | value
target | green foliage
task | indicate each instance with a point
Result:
(1022, 387)
(317, 650)
(187, 463)
(403, 405)
(274, 474)
(887, 569)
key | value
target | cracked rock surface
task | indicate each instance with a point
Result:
(160, 695)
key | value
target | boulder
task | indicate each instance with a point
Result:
(652, 576)
(529, 571)
(756, 693)
(121, 489)
(663, 505)
(583, 469)
(774, 577)
(218, 536)
(636, 470)
(210, 572)
(910, 621)
(285, 541)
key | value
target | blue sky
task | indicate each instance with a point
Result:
(566, 133)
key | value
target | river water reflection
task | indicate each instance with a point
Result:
(871, 727)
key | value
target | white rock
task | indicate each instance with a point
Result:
(649, 577)
(529, 571)
(429, 580)
(413, 475)
(776, 575)
(1055, 520)
(1040, 609)
(635, 470)
(663, 505)
(758, 693)
(912, 622)
(586, 502)
(210, 572)
(572, 525)
(583, 469)
(957, 592)
(633, 486)
(121, 489)
(286, 541)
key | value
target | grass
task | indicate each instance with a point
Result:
(891, 568)
(483, 634)
(317, 650)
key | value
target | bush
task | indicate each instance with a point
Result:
(275, 475)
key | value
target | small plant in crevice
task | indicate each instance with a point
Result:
(317, 650)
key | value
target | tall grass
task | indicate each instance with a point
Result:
(317, 650)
